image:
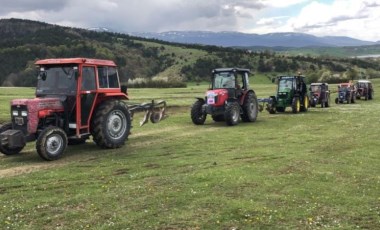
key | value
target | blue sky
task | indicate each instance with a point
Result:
(354, 18)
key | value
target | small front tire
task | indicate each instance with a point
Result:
(197, 115)
(51, 143)
(231, 114)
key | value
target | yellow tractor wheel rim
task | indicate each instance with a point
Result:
(306, 103)
(298, 105)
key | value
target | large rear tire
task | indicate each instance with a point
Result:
(4, 149)
(197, 115)
(327, 103)
(231, 114)
(51, 143)
(305, 104)
(250, 108)
(296, 105)
(111, 124)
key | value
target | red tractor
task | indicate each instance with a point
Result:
(364, 89)
(75, 98)
(319, 94)
(228, 98)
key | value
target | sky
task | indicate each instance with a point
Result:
(353, 18)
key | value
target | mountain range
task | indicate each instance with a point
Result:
(237, 39)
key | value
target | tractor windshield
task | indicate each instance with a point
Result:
(315, 88)
(57, 80)
(224, 80)
(285, 85)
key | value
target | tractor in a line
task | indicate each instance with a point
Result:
(75, 98)
(228, 99)
(364, 89)
(346, 93)
(291, 92)
(319, 94)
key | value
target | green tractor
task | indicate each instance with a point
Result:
(291, 92)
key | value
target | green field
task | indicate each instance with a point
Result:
(311, 170)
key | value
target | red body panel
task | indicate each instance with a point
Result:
(216, 97)
(34, 106)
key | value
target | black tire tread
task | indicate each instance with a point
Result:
(41, 141)
(98, 131)
(196, 113)
(251, 98)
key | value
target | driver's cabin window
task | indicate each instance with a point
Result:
(108, 77)
(88, 78)
(240, 81)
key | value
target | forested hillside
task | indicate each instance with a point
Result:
(22, 42)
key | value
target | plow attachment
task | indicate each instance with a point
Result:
(268, 103)
(154, 111)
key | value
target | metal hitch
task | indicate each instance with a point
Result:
(154, 111)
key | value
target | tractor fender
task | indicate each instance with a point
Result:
(245, 95)
(201, 99)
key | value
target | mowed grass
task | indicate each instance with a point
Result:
(311, 170)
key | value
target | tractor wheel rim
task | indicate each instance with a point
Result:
(298, 105)
(306, 103)
(252, 108)
(116, 124)
(235, 115)
(53, 144)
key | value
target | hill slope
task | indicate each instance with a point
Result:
(22, 42)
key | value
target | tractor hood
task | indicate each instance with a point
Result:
(34, 109)
(216, 97)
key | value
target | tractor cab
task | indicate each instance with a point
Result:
(80, 85)
(231, 83)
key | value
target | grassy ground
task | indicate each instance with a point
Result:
(306, 171)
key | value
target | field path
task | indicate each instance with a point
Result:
(18, 170)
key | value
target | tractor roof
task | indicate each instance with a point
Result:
(345, 84)
(364, 81)
(58, 61)
(291, 77)
(319, 83)
(230, 70)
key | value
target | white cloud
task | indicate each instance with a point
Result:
(353, 18)
(282, 3)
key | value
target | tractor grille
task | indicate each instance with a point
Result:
(19, 114)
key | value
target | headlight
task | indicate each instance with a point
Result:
(15, 113)
(24, 113)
